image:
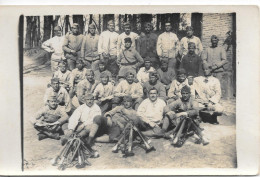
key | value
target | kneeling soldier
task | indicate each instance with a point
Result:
(49, 119)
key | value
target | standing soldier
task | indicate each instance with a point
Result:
(126, 34)
(107, 48)
(89, 49)
(168, 45)
(72, 46)
(129, 59)
(146, 45)
(215, 58)
(190, 38)
(54, 46)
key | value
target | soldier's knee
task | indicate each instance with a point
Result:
(219, 109)
(98, 120)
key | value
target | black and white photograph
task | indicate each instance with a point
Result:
(111, 91)
(147, 90)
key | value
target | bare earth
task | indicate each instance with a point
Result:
(220, 153)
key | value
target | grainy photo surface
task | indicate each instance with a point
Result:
(117, 91)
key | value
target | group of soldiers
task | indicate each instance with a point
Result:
(153, 81)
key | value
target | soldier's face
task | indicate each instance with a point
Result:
(191, 49)
(153, 95)
(128, 45)
(130, 79)
(189, 33)
(89, 102)
(153, 79)
(104, 80)
(147, 65)
(214, 41)
(55, 86)
(111, 27)
(57, 33)
(207, 72)
(190, 80)
(185, 95)
(164, 65)
(168, 28)
(53, 104)
(63, 68)
(79, 65)
(101, 67)
(127, 104)
(90, 77)
(92, 31)
(75, 30)
(127, 30)
(147, 28)
(181, 77)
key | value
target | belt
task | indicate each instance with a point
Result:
(128, 64)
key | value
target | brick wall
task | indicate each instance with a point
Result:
(219, 24)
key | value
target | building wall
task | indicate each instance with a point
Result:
(220, 24)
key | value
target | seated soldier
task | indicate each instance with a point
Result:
(153, 82)
(118, 113)
(128, 87)
(102, 69)
(103, 93)
(49, 119)
(77, 75)
(174, 92)
(81, 120)
(166, 74)
(183, 107)
(63, 74)
(129, 59)
(151, 112)
(61, 93)
(86, 86)
(143, 73)
(209, 92)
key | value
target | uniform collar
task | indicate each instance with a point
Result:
(130, 49)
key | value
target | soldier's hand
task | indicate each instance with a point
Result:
(72, 51)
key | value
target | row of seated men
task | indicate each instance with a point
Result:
(143, 97)
(129, 50)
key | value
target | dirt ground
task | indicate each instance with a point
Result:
(220, 153)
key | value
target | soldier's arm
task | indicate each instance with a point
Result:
(83, 45)
(113, 111)
(139, 91)
(223, 58)
(47, 46)
(217, 88)
(162, 92)
(74, 119)
(63, 117)
(119, 42)
(200, 47)
(159, 46)
(66, 43)
(38, 116)
(67, 101)
(139, 58)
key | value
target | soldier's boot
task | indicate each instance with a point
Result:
(204, 141)
(41, 136)
(55, 136)
(214, 119)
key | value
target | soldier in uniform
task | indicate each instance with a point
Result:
(129, 59)
(107, 48)
(54, 46)
(49, 119)
(63, 74)
(168, 45)
(154, 82)
(89, 49)
(102, 70)
(61, 94)
(143, 73)
(72, 46)
(128, 87)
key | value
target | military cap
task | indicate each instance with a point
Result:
(92, 26)
(128, 98)
(102, 75)
(89, 71)
(129, 73)
(185, 89)
(164, 60)
(110, 22)
(190, 77)
(75, 25)
(153, 73)
(128, 39)
(147, 60)
(88, 96)
(126, 24)
(189, 28)
(191, 44)
(152, 88)
(181, 71)
(167, 23)
(147, 24)
(57, 28)
(62, 63)
(101, 62)
(52, 98)
(55, 80)
(214, 37)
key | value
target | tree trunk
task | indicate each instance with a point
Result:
(67, 24)
(158, 16)
(34, 32)
(39, 31)
(55, 23)
(134, 23)
(47, 27)
(28, 43)
(175, 19)
(79, 20)
(196, 19)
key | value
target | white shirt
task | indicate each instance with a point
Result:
(107, 43)
(55, 43)
(83, 114)
(143, 74)
(124, 88)
(121, 41)
(151, 111)
(167, 45)
(103, 91)
(63, 77)
(184, 45)
(175, 88)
